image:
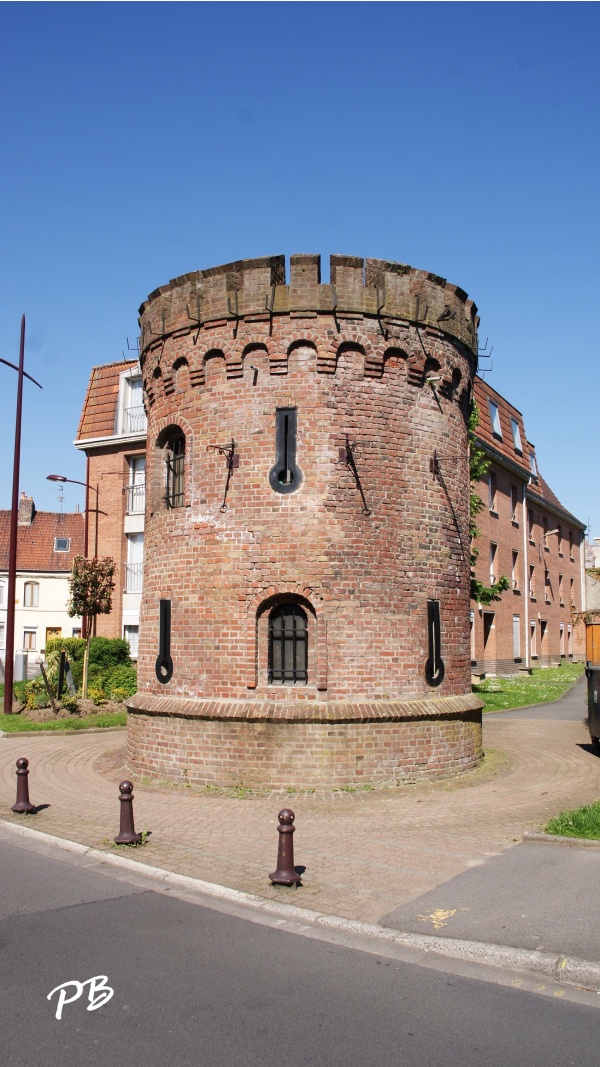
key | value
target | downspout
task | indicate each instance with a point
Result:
(526, 575)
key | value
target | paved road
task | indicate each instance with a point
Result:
(193, 986)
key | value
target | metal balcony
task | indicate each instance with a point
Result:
(133, 577)
(135, 503)
(134, 420)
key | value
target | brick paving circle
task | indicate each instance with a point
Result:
(365, 853)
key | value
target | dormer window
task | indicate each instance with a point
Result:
(131, 417)
(62, 544)
(532, 465)
(495, 419)
(516, 434)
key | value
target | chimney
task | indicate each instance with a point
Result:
(26, 510)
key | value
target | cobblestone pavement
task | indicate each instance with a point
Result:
(365, 853)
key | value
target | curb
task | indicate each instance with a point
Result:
(565, 970)
(556, 839)
(62, 733)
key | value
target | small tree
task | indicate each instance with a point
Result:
(91, 584)
(478, 466)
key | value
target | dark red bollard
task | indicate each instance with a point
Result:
(285, 873)
(127, 834)
(23, 804)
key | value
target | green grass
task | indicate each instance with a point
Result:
(14, 724)
(538, 688)
(582, 822)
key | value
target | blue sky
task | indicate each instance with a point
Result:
(140, 141)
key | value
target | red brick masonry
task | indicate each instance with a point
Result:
(382, 358)
(292, 746)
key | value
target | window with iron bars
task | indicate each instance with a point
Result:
(288, 646)
(175, 452)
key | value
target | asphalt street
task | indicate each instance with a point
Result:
(194, 986)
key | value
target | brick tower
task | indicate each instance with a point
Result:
(305, 614)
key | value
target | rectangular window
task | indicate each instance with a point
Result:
(31, 593)
(493, 554)
(1, 594)
(572, 592)
(547, 585)
(29, 640)
(560, 589)
(62, 544)
(135, 563)
(532, 465)
(472, 635)
(514, 503)
(532, 582)
(532, 647)
(543, 636)
(2, 636)
(130, 633)
(175, 455)
(134, 416)
(516, 637)
(495, 419)
(562, 638)
(76, 631)
(530, 525)
(136, 488)
(515, 570)
(571, 546)
(559, 539)
(545, 528)
(569, 640)
(492, 491)
(516, 434)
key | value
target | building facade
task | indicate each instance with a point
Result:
(112, 434)
(47, 543)
(527, 535)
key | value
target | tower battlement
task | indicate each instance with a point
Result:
(256, 290)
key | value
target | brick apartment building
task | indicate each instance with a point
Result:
(112, 434)
(525, 532)
(47, 542)
(527, 535)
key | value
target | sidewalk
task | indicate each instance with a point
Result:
(396, 857)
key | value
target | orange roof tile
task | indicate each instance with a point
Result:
(35, 542)
(99, 413)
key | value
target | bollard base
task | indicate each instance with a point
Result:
(23, 808)
(285, 878)
(128, 839)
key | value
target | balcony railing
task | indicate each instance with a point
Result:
(133, 577)
(135, 499)
(134, 420)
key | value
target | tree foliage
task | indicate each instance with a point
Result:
(91, 583)
(478, 466)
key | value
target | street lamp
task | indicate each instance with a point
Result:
(14, 519)
(86, 521)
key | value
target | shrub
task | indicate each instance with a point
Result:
(97, 697)
(69, 702)
(119, 694)
(122, 678)
(108, 652)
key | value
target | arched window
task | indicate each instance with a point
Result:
(31, 595)
(175, 470)
(288, 645)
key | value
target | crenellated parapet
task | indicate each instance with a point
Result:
(256, 291)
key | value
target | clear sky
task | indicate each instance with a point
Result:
(139, 141)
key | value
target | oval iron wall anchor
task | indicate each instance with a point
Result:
(434, 668)
(164, 664)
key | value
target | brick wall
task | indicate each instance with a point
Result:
(109, 470)
(221, 351)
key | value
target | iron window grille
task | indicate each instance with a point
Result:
(288, 646)
(175, 472)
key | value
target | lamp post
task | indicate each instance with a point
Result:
(86, 522)
(9, 663)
